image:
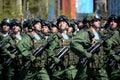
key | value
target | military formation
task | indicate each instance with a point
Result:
(61, 49)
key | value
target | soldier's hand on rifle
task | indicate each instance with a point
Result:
(12, 56)
(88, 55)
(117, 58)
(32, 58)
(56, 60)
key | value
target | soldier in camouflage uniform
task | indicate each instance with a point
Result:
(56, 43)
(24, 45)
(42, 72)
(67, 64)
(46, 29)
(97, 64)
(35, 30)
(111, 48)
(53, 49)
(38, 66)
(80, 42)
(8, 72)
(83, 40)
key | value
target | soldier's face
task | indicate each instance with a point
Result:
(97, 23)
(113, 24)
(70, 29)
(38, 26)
(80, 23)
(16, 28)
(6, 28)
(45, 29)
(63, 25)
(54, 29)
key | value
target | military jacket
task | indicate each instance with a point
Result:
(7, 43)
(112, 44)
(80, 44)
(38, 40)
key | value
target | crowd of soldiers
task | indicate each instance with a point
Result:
(62, 49)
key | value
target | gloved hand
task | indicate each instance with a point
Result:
(12, 56)
(32, 58)
(56, 60)
(117, 58)
(88, 55)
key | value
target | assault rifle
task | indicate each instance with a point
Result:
(95, 47)
(38, 51)
(112, 62)
(14, 51)
(60, 55)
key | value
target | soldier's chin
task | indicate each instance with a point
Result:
(6, 30)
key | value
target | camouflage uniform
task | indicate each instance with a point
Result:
(24, 45)
(7, 72)
(80, 43)
(67, 69)
(42, 72)
(6, 54)
(111, 48)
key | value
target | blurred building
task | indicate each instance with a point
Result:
(71, 8)
(84, 7)
(100, 7)
(62, 7)
(51, 9)
(114, 7)
(68, 8)
(107, 7)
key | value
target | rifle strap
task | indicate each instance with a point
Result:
(93, 40)
(16, 41)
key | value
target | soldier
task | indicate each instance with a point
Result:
(54, 48)
(38, 66)
(42, 73)
(79, 24)
(63, 24)
(37, 26)
(35, 30)
(72, 28)
(97, 65)
(46, 29)
(54, 27)
(6, 41)
(80, 43)
(111, 47)
(25, 26)
(67, 69)
(24, 45)
(56, 43)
